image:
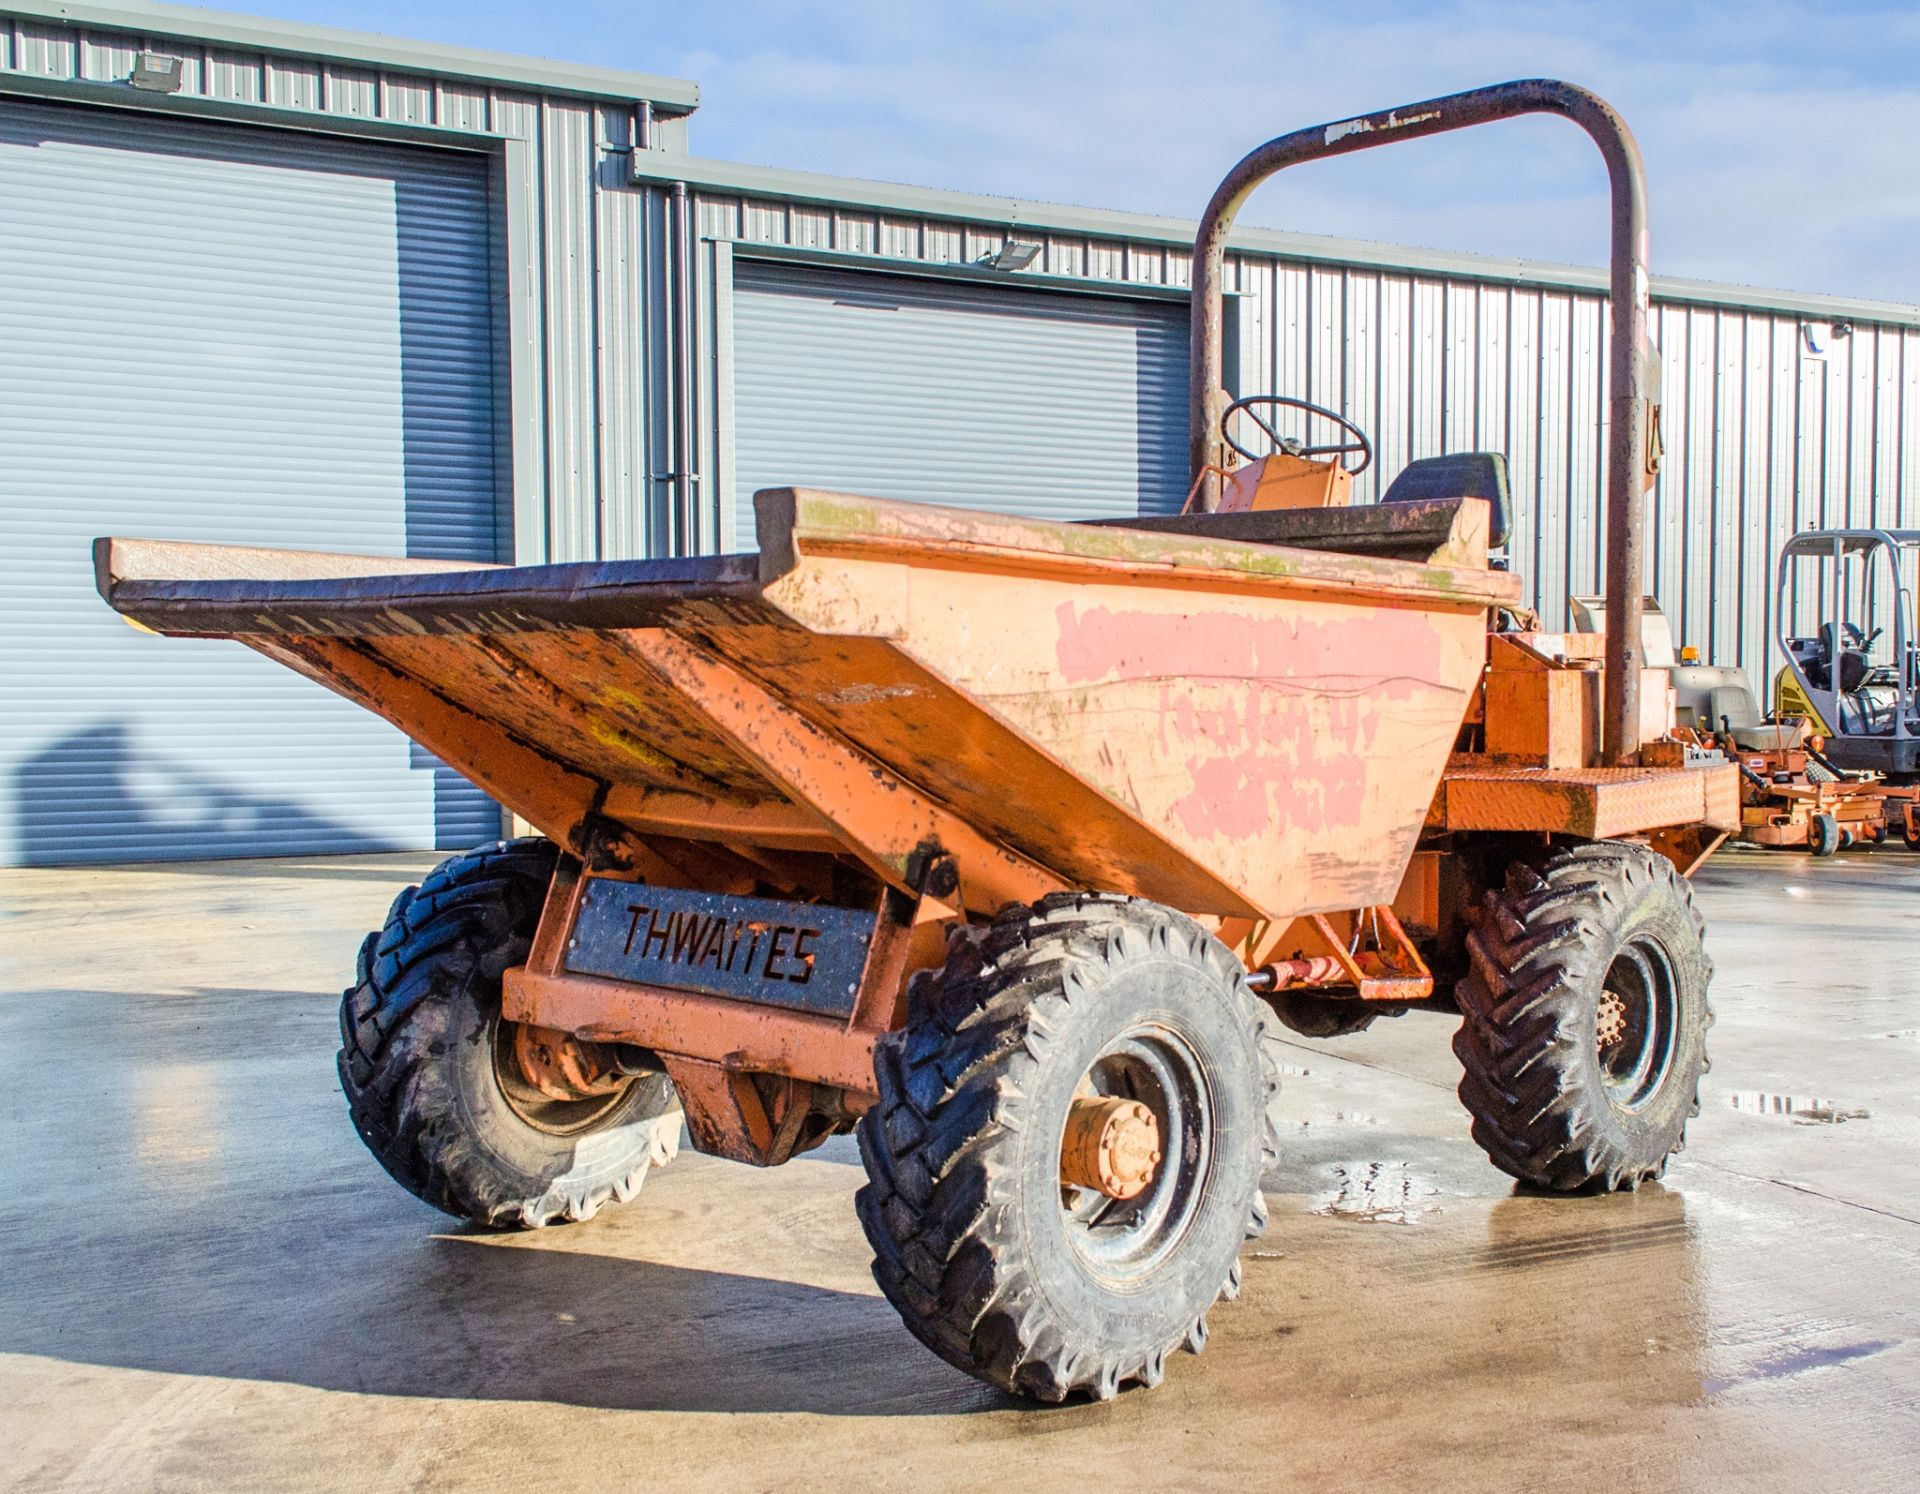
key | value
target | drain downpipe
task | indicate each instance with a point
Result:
(685, 537)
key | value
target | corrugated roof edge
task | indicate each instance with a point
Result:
(329, 43)
(1044, 217)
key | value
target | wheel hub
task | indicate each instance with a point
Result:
(1611, 1023)
(561, 1066)
(1111, 1145)
(1636, 1024)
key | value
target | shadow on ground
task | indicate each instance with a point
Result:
(468, 1317)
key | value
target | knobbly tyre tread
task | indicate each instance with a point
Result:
(1537, 948)
(938, 1203)
(449, 939)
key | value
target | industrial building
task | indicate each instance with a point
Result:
(281, 285)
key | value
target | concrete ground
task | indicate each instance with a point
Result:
(208, 1283)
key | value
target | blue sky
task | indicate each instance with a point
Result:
(1780, 136)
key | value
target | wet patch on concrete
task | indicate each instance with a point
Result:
(1378, 1193)
(1801, 1109)
(722, 1331)
(1667, 1231)
(1339, 1118)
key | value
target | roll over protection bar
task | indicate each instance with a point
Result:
(1630, 458)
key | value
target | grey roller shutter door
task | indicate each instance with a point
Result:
(216, 333)
(1013, 399)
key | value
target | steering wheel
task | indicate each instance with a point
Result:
(1288, 444)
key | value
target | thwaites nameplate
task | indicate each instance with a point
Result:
(806, 956)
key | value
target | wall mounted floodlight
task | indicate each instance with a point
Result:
(1014, 254)
(155, 72)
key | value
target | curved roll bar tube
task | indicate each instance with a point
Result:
(1629, 458)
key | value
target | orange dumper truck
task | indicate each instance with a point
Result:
(1004, 842)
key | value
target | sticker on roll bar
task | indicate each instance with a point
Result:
(805, 956)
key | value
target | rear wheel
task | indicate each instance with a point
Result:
(1067, 1151)
(481, 1117)
(1584, 1018)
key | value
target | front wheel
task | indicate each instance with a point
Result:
(434, 1075)
(1067, 1150)
(1584, 1018)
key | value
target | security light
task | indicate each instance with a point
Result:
(156, 72)
(1014, 254)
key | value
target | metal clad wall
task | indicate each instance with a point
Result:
(587, 291)
(1019, 401)
(619, 291)
(1762, 437)
(567, 142)
(262, 337)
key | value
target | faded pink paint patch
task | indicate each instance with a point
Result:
(1294, 744)
(1271, 764)
(1383, 650)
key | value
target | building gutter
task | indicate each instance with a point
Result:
(669, 96)
(1020, 218)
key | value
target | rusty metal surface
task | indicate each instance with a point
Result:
(879, 816)
(576, 697)
(931, 731)
(542, 788)
(759, 1119)
(561, 1066)
(1369, 953)
(769, 1039)
(1229, 727)
(800, 522)
(748, 1027)
(1779, 799)
(1632, 420)
(1595, 803)
(1275, 717)
(225, 590)
(762, 1120)
(725, 1114)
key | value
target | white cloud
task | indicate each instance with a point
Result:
(1777, 137)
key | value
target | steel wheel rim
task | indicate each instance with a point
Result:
(542, 1112)
(1646, 993)
(1122, 1241)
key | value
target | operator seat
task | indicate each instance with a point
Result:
(1839, 647)
(1461, 474)
(1734, 710)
